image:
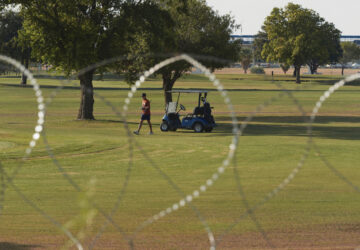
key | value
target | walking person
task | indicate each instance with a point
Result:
(145, 114)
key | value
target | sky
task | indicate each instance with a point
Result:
(345, 14)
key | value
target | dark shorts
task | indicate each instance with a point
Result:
(145, 117)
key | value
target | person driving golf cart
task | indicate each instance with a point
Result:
(204, 111)
(207, 111)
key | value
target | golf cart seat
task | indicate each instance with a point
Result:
(207, 108)
(172, 116)
(198, 111)
(171, 107)
(207, 113)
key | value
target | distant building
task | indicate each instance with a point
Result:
(249, 39)
(355, 39)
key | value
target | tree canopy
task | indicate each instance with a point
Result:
(198, 30)
(326, 46)
(71, 35)
(10, 24)
(260, 39)
(299, 36)
(351, 52)
(246, 56)
(12, 40)
(74, 34)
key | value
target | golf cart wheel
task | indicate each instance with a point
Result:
(198, 127)
(164, 127)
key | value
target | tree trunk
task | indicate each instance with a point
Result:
(297, 71)
(316, 68)
(294, 73)
(342, 70)
(167, 86)
(313, 68)
(24, 77)
(169, 79)
(25, 59)
(87, 96)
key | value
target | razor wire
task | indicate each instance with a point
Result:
(250, 210)
(209, 182)
(215, 176)
(35, 137)
(300, 164)
(187, 199)
(175, 187)
(315, 111)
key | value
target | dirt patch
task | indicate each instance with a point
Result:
(32, 242)
(334, 236)
(337, 236)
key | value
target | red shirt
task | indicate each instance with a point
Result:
(146, 107)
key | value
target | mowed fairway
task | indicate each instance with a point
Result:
(317, 210)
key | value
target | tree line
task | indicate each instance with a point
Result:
(71, 35)
(296, 36)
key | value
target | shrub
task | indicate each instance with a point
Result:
(285, 67)
(257, 70)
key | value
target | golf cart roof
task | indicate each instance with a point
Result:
(188, 91)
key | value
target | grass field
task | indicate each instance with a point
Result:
(317, 210)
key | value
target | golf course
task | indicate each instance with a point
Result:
(102, 183)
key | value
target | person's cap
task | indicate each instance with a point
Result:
(143, 94)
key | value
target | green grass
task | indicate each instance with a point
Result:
(317, 209)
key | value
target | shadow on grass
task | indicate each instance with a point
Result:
(330, 82)
(15, 246)
(207, 89)
(119, 121)
(292, 126)
(297, 127)
(354, 83)
(298, 119)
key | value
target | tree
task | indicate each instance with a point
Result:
(23, 42)
(295, 37)
(71, 35)
(285, 67)
(198, 30)
(260, 39)
(11, 29)
(10, 24)
(246, 56)
(351, 52)
(325, 47)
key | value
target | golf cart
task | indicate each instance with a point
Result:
(200, 120)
